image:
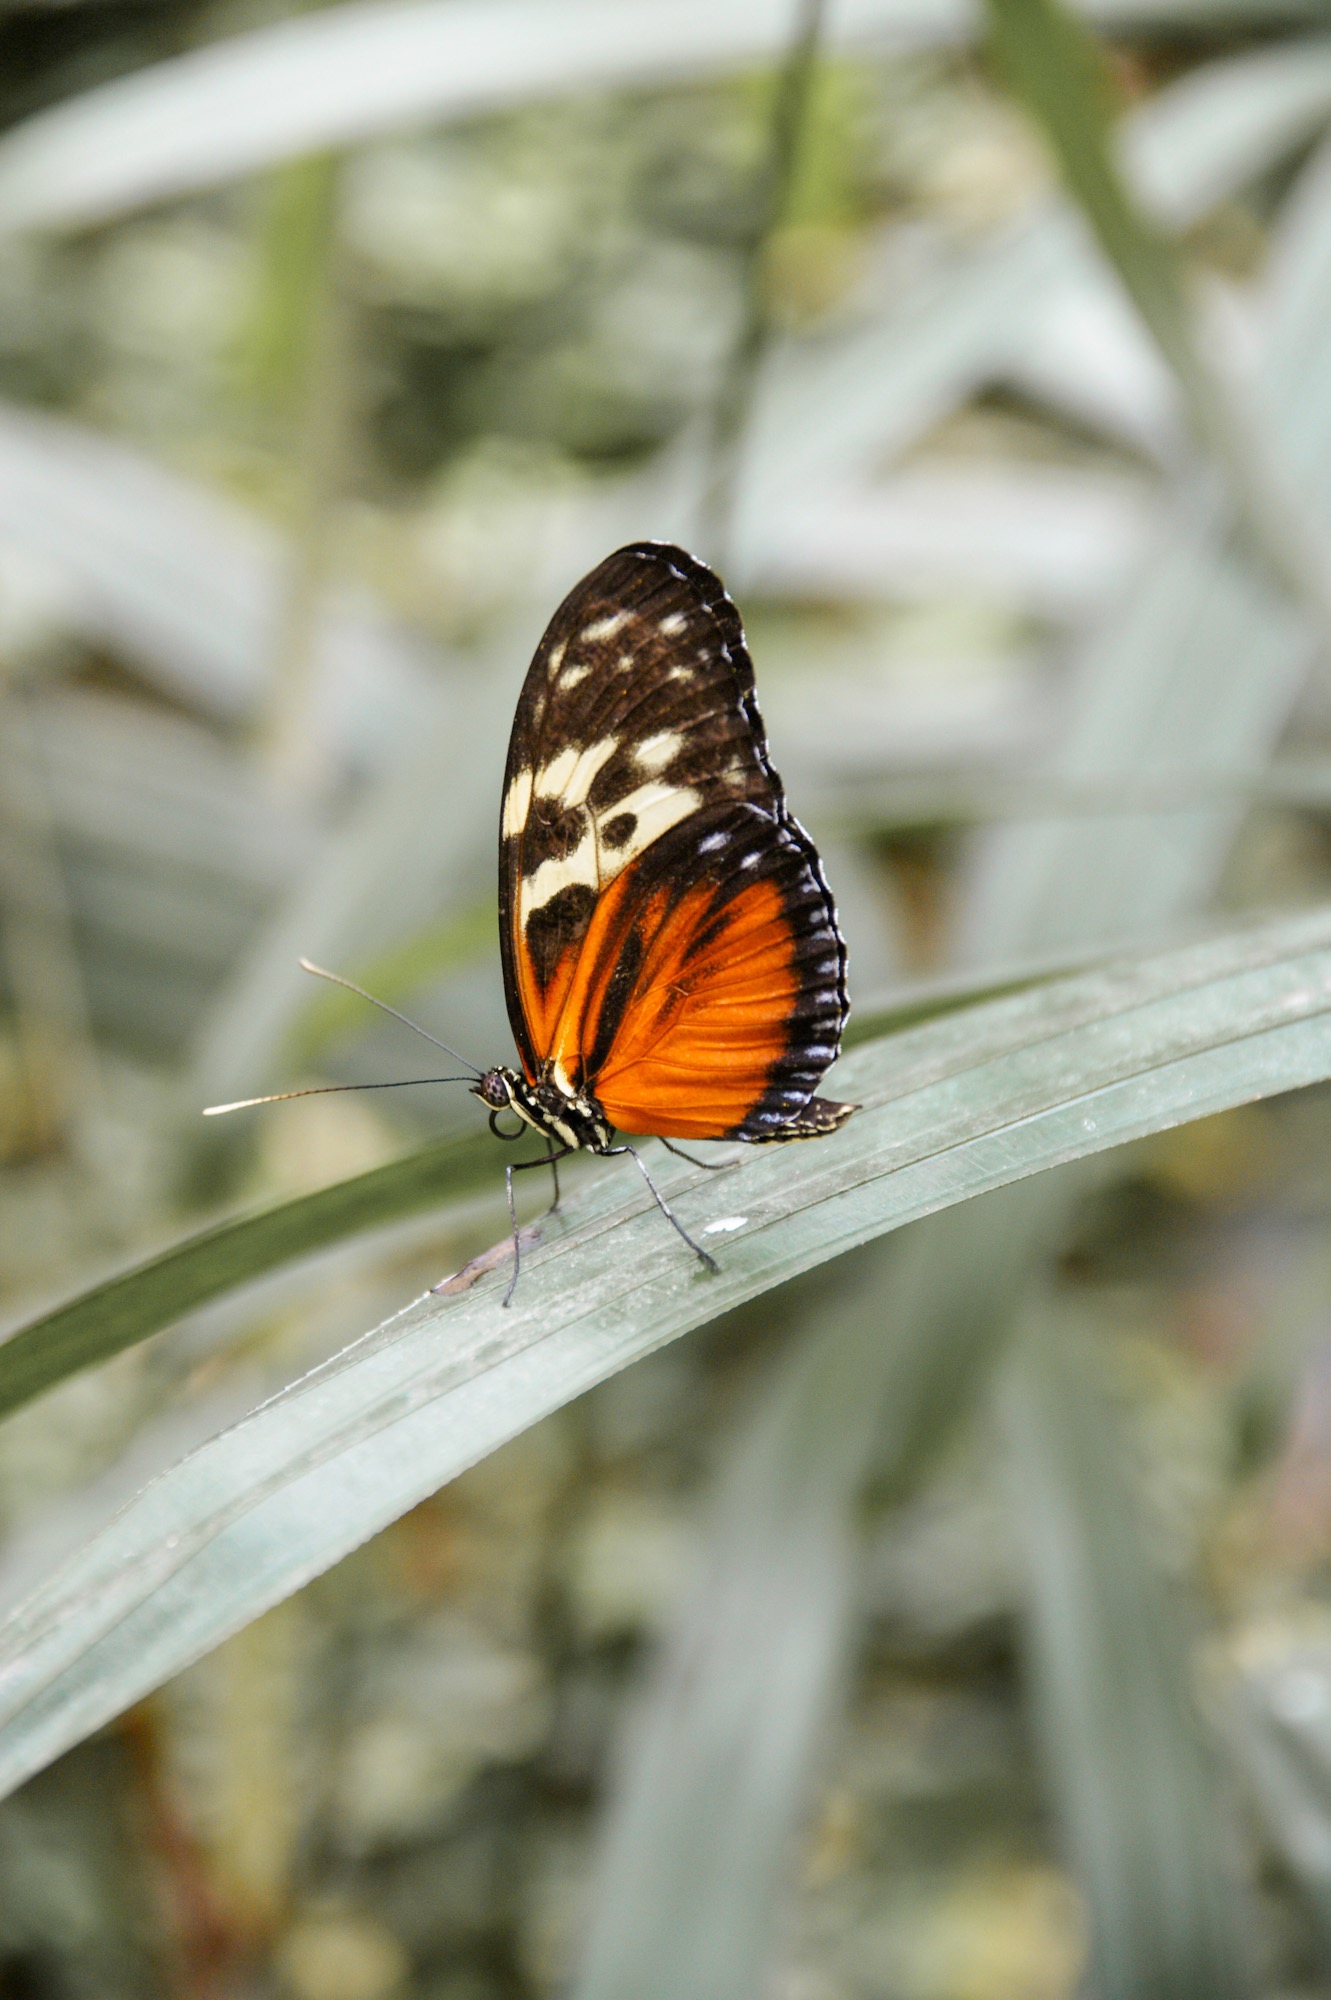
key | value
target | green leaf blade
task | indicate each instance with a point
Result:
(140, 1302)
(1135, 1783)
(952, 1110)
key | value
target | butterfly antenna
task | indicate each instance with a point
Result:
(337, 980)
(324, 1090)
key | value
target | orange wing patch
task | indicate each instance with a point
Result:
(699, 1037)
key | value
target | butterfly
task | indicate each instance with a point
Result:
(671, 956)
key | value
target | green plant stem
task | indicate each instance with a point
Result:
(304, 357)
(730, 414)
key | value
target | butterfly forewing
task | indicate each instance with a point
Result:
(669, 941)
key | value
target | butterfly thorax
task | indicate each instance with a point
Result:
(572, 1118)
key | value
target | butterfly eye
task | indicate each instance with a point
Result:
(493, 1089)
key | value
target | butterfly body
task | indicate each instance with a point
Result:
(567, 1117)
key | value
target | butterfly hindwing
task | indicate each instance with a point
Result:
(669, 941)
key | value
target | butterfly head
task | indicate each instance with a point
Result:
(562, 1114)
(498, 1088)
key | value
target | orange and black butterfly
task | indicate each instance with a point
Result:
(672, 961)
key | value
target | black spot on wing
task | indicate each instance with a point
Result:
(556, 925)
(619, 831)
(552, 832)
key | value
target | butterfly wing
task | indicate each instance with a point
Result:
(669, 941)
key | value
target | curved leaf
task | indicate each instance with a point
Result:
(139, 1302)
(350, 72)
(127, 1308)
(1134, 1781)
(699, 1835)
(1056, 70)
(347, 73)
(952, 1109)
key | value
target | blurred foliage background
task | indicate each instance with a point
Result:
(335, 343)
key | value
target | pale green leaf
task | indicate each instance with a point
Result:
(1057, 71)
(344, 74)
(141, 1301)
(698, 1836)
(1133, 1779)
(136, 1303)
(950, 1110)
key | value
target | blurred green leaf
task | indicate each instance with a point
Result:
(954, 1109)
(414, 851)
(299, 224)
(1055, 68)
(394, 975)
(697, 1839)
(1134, 1783)
(125, 1309)
(1274, 1716)
(1219, 127)
(339, 76)
(348, 73)
(1029, 301)
(188, 585)
(1194, 676)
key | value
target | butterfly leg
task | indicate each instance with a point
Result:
(664, 1206)
(711, 1166)
(550, 1160)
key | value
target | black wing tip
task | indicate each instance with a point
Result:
(681, 559)
(649, 545)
